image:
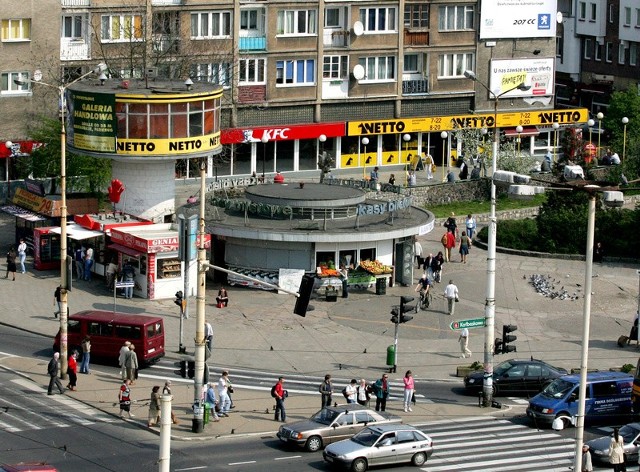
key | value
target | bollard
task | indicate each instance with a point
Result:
(164, 458)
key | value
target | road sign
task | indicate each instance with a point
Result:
(477, 121)
(472, 323)
(125, 284)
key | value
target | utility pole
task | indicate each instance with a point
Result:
(164, 457)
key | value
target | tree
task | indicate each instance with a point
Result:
(625, 104)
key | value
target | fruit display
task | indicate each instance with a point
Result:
(375, 267)
(326, 272)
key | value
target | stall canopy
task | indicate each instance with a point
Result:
(22, 213)
(124, 250)
(78, 232)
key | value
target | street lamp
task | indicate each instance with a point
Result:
(600, 116)
(625, 121)
(444, 136)
(406, 138)
(9, 146)
(64, 283)
(490, 303)
(265, 140)
(555, 127)
(365, 141)
(519, 130)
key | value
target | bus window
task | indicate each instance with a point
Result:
(128, 332)
(100, 329)
(73, 327)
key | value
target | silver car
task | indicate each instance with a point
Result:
(630, 434)
(331, 424)
(381, 445)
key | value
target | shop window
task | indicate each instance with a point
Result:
(242, 159)
(169, 268)
(178, 120)
(367, 254)
(128, 332)
(284, 155)
(348, 259)
(325, 258)
(307, 153)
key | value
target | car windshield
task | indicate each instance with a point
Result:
(557, 389)
(325, 416)
(502, 368)
(629, 433)
(366, 437)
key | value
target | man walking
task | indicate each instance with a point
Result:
(223, 394)
(79, 260)
(88, 263)
(417, 250)
(381, 390)
(326, 389)
(22, 254)
(470, 224)
(278, 392)
(129, 274)
(123, 356)
(57, 300)
(464, 343)
(208, 334)
(53, 369)
(451, 294)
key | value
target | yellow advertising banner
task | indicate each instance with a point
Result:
(36, 203)
(167, 147)
(478, 121)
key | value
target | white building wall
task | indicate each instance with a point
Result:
(629, 31)
(588, 24)
(570, 63)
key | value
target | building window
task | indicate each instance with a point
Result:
(559, 47)
(333, 17)
(597, 51)
(593, 12)
(582, 11)
(411, 64)
(633, 54)
(637, 17)
(455, 17)
(379, 68)
(16, 30)
(72, 26)
(608, 54)
(218, 73)
(416, 15)
(454, 65)
(296, 22)
(621, 53)
(378, 19)
(627, 16)
(8, 85)
(249, 21)
(335, 67)
(587, 49)
(120, 28)
(296, 72)
(251, 71)
(611, 13)
(212, 24)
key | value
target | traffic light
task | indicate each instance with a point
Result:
(302, 302)
(508, 338)
(180, 301)
(404, 308)
(497, 347)
(395, 314)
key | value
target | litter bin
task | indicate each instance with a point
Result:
(207, 413)
(391, 355)
(381, 286)
(331, 293)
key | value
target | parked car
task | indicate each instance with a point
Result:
(381, 445)
(27, 467)
(516, 376)
(630, 434)
(331, 424)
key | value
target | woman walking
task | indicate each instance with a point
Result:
(408, 390)
(72, 370)
(154, 407)
(11, 263)
(465, 244)
(616, 451)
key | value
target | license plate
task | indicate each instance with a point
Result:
(153, 349)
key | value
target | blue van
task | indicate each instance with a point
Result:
(608, 394)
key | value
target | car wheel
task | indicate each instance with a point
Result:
(565, 421)
(494, 389)
(419, 459)
(359, 465)
(314, 443)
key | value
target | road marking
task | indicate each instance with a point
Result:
(242, 463)
(285, 458)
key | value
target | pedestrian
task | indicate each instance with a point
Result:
(392, 179)
(211, 401)
(208, 334)
(598, 252)
(451, 224)
(326, 390)
(426, 265)
(470, 224)
(72, 371)
(451, 243)
(86, 355)
(587, 465)
(223, 298)
(122, 357)
(124, 398)
(53, 369)
(57, 300)
(78, 257)
(88, 263)
(429, 166)
(279, 393)
(154, 407)
(166, 390)
(633, 335)
(129, 273)
(374, 176)
(616, 451)
(11, 263)
(131, 364)
(381, 390)
(22, 254)
(111, 272)
(351, 391)
(465, 244)
(223, 395)
(417, 250)
(409, 388)
(363, 393)
(436, 267)
(230, 392)
(412, 179)
(451, 294)
(463, 339)
(444, 240)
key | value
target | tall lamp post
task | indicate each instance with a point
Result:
(625, 121)
(519, 130)
(444, 135)
(365, 141)
(64, 282)
(490, 303)
(406, 138)
(590, 124)
(555, 127)
(600, 116)
(9, 146)
(264, 140)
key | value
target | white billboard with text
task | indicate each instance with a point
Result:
(538, 73)
(500, 19)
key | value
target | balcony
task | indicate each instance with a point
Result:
(335, 38)
(74, 49)
(161, 3)
(253, 43)
(416, 38)
(75, 3)
(166, 44)
(415, 87)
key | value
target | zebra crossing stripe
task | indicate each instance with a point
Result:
(499, 464)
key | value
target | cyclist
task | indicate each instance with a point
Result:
(424, 285)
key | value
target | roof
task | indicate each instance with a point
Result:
(110, 316)
(384, 428)
(596, 376)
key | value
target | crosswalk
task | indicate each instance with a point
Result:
(489, 444)
(25, 406)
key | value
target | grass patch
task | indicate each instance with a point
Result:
(503, 202)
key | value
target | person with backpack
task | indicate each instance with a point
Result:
(279, 393)
(363, 393)
(350, 391)
(129, 273)
(326, 390)
(381, 390)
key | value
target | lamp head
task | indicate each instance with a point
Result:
(590, 123)
(600, 115)
(555, 126)
(264, 139)
(365, 141)
(103, 78)
(19, 82)
(188, 83)
(523, 88)
(100, 68)
(8, 144)
(444, 135)
(470, 75)
(625, 120)
(406, 137)
(519, 129)
(535, 52)
(322, 138)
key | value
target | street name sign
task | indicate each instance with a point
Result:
(471, 323)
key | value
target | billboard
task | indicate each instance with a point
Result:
(508, 19)
(538, 74)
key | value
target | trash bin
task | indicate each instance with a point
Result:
(391, 355)
(331, 293)
(207, 413)
(381, 286)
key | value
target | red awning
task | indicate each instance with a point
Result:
(124, 250)
(526, 131)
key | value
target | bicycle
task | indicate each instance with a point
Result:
(425, 300)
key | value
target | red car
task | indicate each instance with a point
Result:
(33, 467)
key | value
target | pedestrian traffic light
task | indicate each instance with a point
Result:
(179, 298)
(302, 302)
(395, 314)
(497, 347)
(404, 308)
(508, 338)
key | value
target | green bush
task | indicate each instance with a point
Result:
(627, 368)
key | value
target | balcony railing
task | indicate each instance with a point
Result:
(410, 87)
(416, 38)
(157, 3)
(74, 50)
(75, 3)
(253, 44)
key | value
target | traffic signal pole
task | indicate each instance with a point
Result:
(395, 349)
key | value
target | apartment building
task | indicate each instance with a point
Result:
(293, 72)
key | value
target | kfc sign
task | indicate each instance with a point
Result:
(292, 132)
